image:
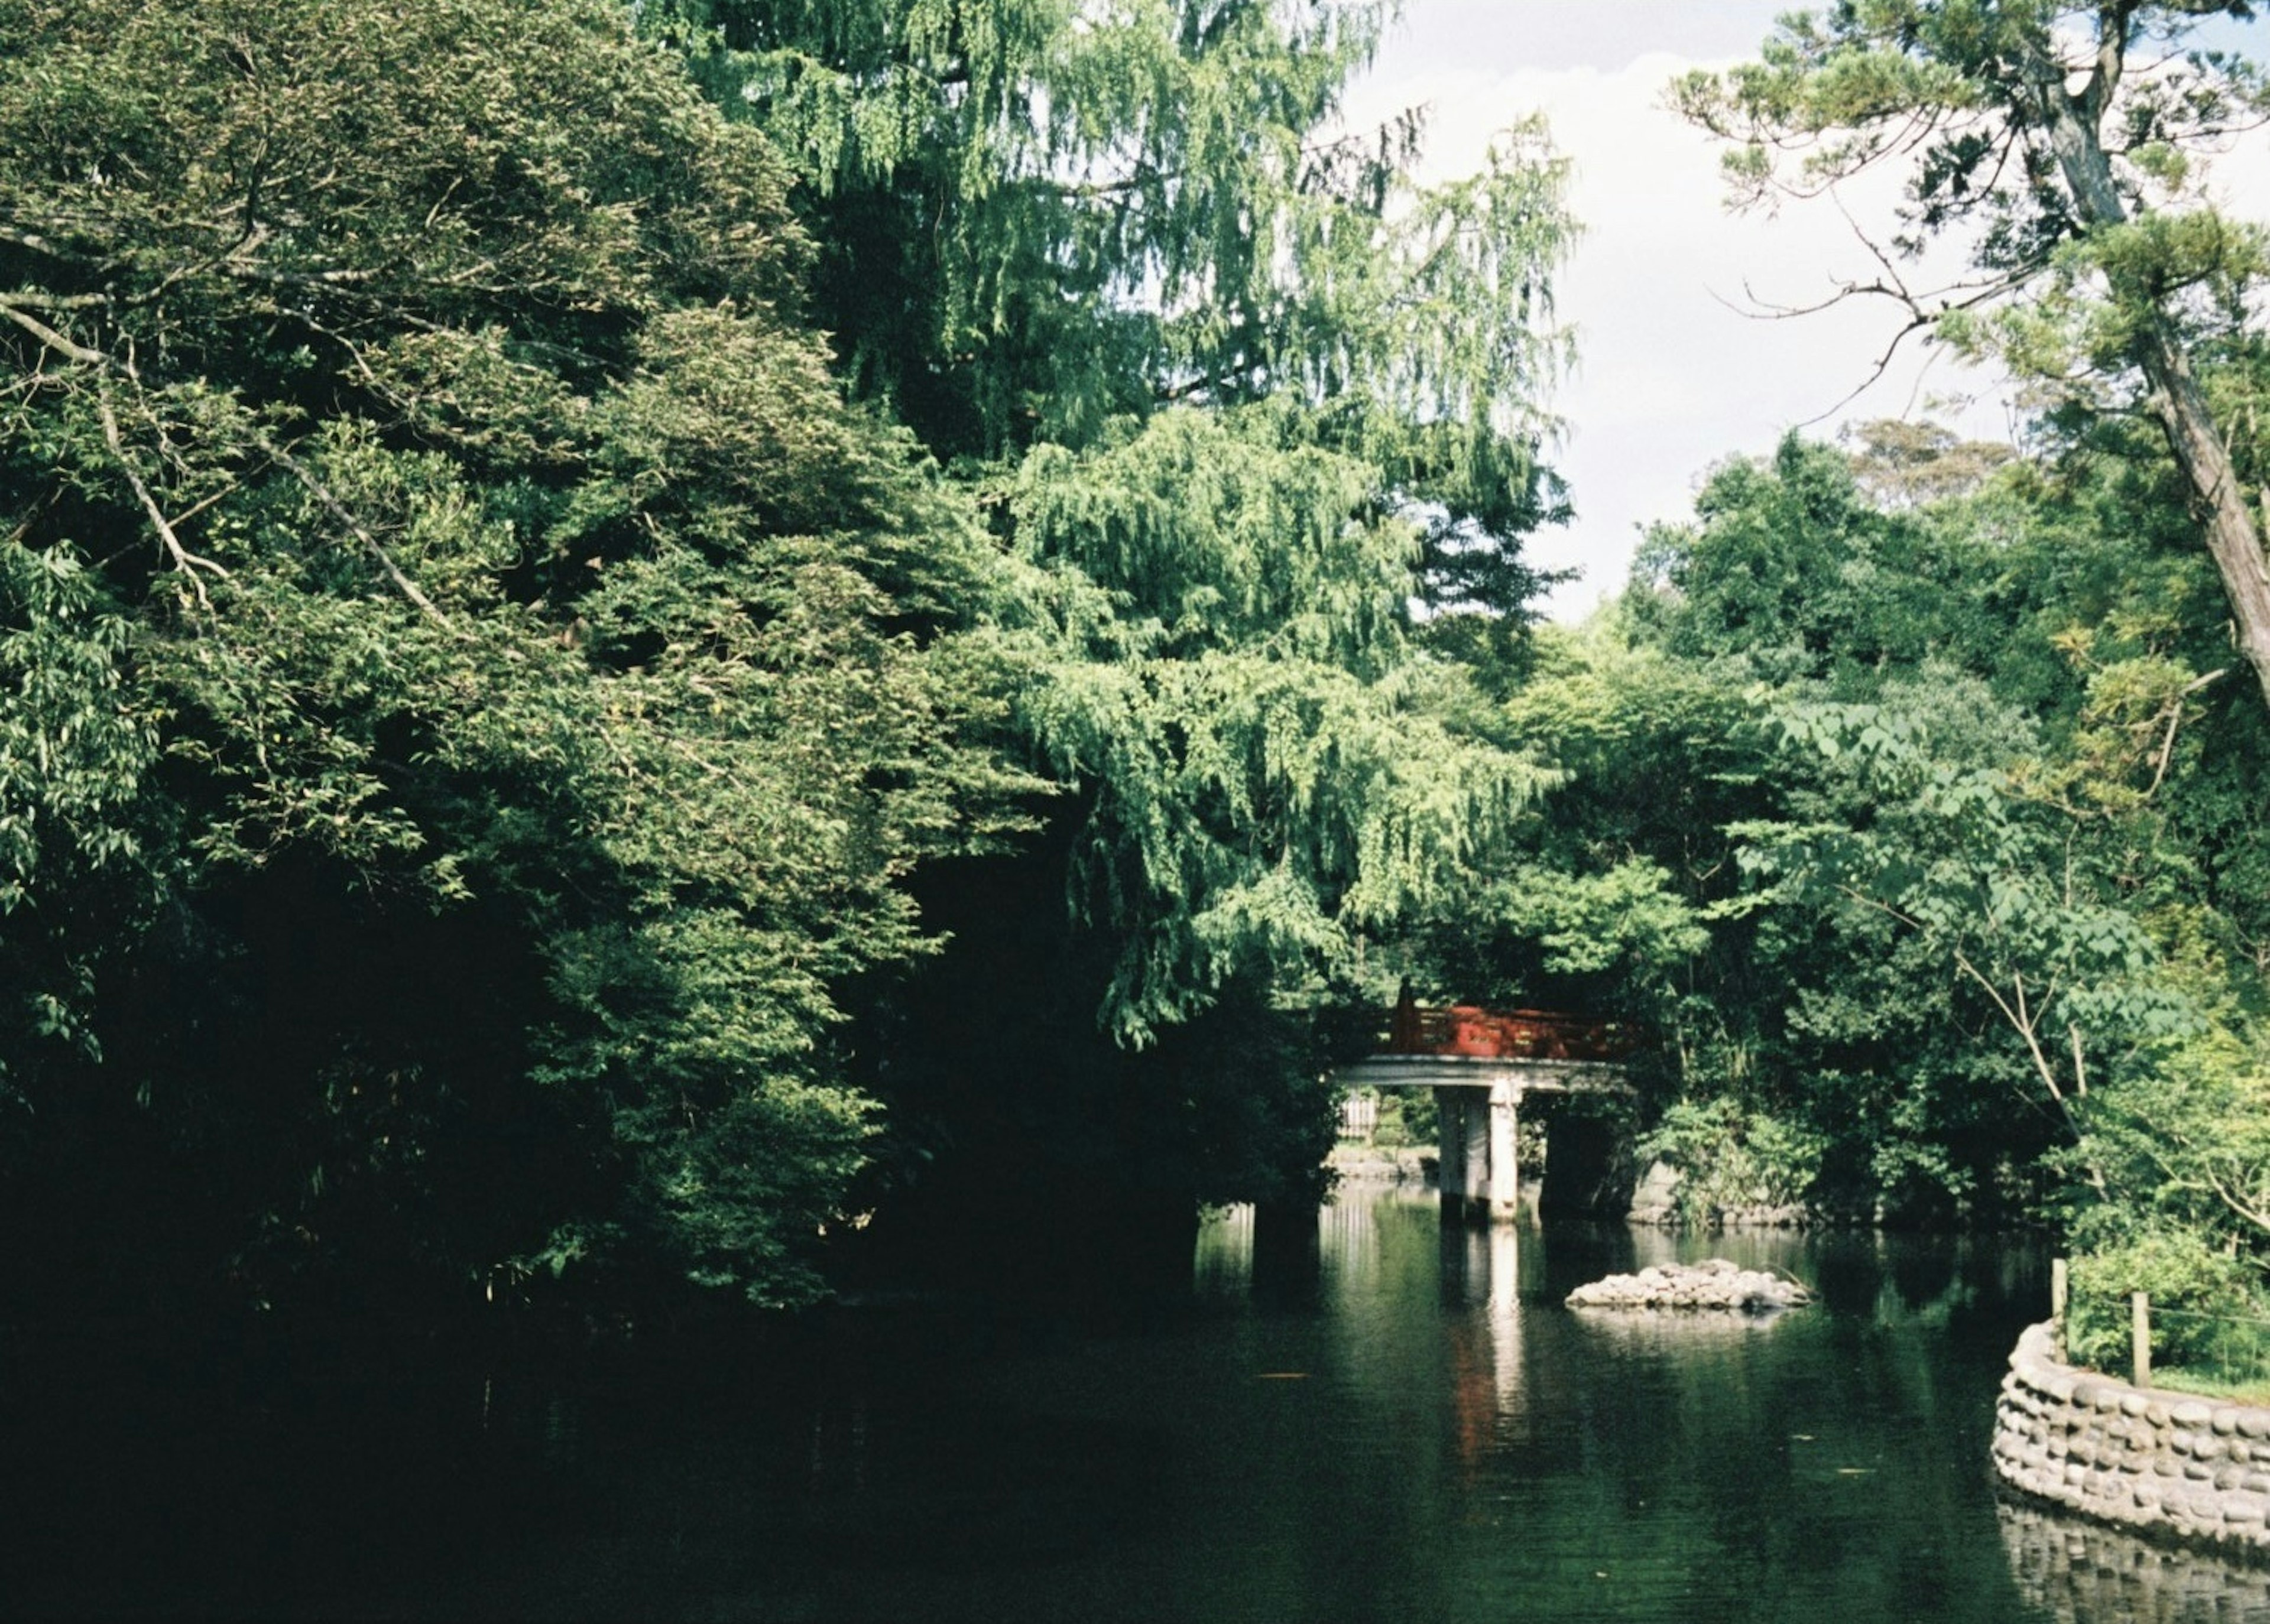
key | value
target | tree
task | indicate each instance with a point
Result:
(1989, 877)
(1268, 768)
(1227, 365)
(1038, 218)
(1232, 391)
(477, 690)
(1973, 748)
(1117, 262)
(2064, 137)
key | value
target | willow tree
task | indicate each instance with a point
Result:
(2065, 141)
(1187, 333)
(475, 687)
(1037, 217)
(1234, 391)
(1268, 768)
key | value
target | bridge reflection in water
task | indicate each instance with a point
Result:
(1452, 1443)
(1486, 1350)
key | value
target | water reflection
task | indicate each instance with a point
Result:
(1482, 1268)
(2079, 1573)
(1223, 1264)
(1357, 1414)
(1506, 1456)
(1287, 1256)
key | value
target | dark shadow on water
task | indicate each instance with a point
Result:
(1286, 1255)
(1348, 1415)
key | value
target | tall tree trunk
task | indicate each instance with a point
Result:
(2231, 537)
(2177, 399)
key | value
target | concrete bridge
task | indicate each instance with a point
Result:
(1482, 1064)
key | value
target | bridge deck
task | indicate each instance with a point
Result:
(1531, 1074)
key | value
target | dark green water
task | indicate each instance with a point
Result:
(1381, 1420)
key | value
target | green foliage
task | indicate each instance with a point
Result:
(483, 706)
(2001, 892)
(75, 849)
(1234, 391)
(1593, 905)
(1956, 781)
(1791, 570)
(1730, 1157)
(1038, 219)
(430, 526)
(1267, 766)
(2189, 1142)
(1952, 88)
(2069, 149)
(2177, 1268)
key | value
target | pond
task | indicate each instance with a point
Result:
(1369, 1416)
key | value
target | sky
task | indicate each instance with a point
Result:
(1672, 376)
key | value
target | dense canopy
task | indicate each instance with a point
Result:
(657, 654)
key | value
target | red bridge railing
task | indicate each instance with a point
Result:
(1468, 1029)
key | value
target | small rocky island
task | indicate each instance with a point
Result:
(1715, 1284)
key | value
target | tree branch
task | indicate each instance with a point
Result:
(2025, 1030)
(338, 509)
(189, 563)
(12, 307)
(2175, 720)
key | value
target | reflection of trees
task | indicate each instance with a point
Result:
(1222, 1266)
(2079, 1573)
(1841, 1442)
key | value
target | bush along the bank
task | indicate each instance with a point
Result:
(1730, 1167)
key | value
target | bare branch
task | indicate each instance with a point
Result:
(30, 298)
(2018, 1019)
(48, 335)
(189, 563)
(2175, 720)
(33, 240)
(2252, 1214)
(1923, 309)
(355, 527)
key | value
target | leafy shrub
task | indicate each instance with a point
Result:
(2177, 1268)
(1729, 1156)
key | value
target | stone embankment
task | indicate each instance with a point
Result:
(1715, 1284)
(2159, 1462)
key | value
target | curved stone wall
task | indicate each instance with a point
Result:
(2158, 1461)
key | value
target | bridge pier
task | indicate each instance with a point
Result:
(1477, 1172)
(1504, 1154)
(1450, 1149)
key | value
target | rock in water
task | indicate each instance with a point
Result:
(1714, 1284)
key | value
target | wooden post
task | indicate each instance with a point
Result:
(2058, 1291)
(2139, 1336)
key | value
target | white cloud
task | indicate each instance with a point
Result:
(1670, 378)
